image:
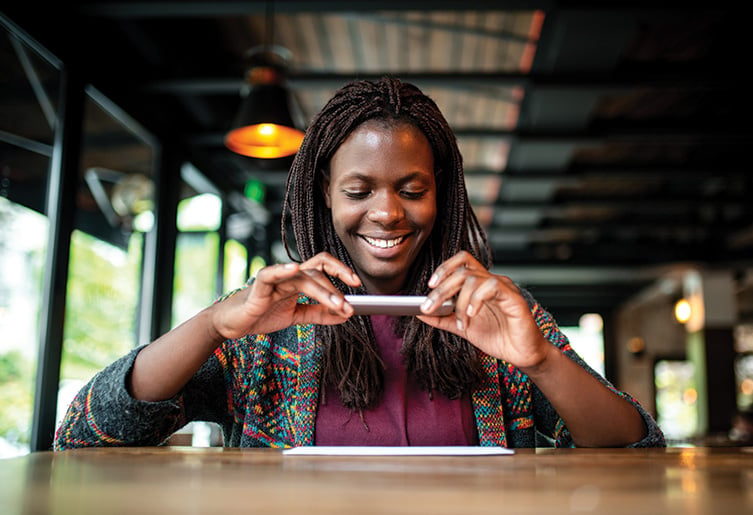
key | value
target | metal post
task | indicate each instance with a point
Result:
(159, 250)
(61, 207)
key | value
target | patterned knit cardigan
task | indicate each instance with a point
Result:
(263, 391)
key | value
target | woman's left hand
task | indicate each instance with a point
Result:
(490, 312)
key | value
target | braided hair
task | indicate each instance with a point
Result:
(439, 360)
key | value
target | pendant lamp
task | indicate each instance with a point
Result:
(264, 127)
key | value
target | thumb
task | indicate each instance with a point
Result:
(445, 323)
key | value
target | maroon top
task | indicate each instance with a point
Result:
(406, 415)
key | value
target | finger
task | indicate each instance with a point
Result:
(463, 298)
(445, 323)
(291, 278)
(268, 277)
(330, 265)
(483, 291)
(325, 293)
(462, 259)
(448, 288)
(319, 314)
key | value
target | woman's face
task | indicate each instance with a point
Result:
(382, 195)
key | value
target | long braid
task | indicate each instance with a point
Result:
(441, 361)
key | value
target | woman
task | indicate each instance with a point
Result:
(377, 204)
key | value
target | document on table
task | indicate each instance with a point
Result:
(396, 451)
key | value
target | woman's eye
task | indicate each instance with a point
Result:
(414, 195)
(356, 194)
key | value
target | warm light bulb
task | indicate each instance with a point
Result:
(682, 311)
(265, 140)
(267, 129)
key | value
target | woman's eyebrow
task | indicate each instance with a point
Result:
(356, 176)
(419, 176)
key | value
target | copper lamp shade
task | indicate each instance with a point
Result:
(264, 127)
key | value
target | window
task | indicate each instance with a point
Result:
(196, 255)
(676, 399)
(744, 367)
(113, 211)
(236, 265)
(23, 248)
(587, 340)
(29, 88)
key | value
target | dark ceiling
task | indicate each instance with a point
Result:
(604, 142)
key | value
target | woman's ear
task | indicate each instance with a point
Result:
(324, 184)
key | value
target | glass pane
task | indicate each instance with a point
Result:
(101, 307)
(196, 252)
(257, 263)
(236, 264)
(29, 88)
(23, 249)
(200, 213)
(676, 399)
(196, 256)
(587, 340)
(744, 380)
(114, 198)
(744, 338)
(742, 424)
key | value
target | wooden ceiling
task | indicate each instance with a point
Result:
(604, 142)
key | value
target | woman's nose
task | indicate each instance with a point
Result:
(386, 209)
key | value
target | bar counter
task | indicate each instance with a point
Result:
(167, 480)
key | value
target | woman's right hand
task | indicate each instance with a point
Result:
(271, 303)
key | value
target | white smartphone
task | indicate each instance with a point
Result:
(398, 305)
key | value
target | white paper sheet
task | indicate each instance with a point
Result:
(396, 451)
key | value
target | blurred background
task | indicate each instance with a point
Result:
(605, 151)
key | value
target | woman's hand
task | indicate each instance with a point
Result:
(162, 368)
(490, 312)
(270, 302)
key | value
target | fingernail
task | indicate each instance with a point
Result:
(459, 323)
(336, 300)
(469, 310)
(426, 306)
(433, 281)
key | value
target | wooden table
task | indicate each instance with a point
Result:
(186, 480)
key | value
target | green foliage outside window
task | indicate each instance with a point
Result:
(103, 289)
(101, 307)
(23, 247)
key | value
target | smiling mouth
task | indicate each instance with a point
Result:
(384, 244)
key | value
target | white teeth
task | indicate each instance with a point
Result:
(384, 244)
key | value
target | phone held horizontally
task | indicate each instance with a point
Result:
(398, 305)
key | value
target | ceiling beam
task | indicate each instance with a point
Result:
(665, 203)
(651, 135)
(162, 9)
(306, 80)
(192, 8)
